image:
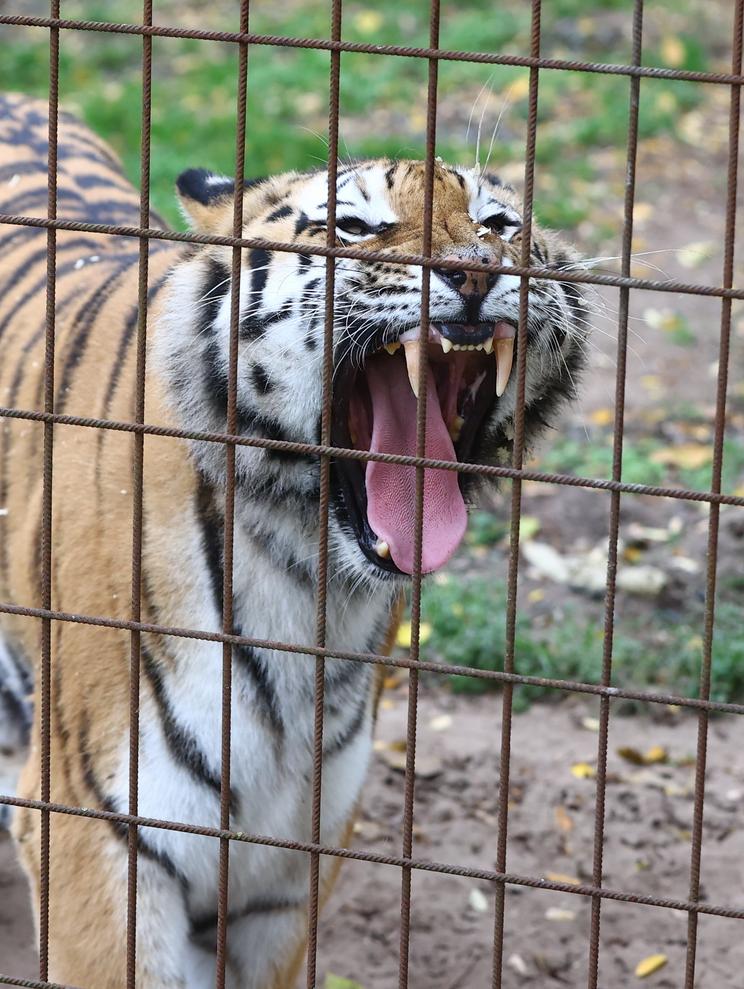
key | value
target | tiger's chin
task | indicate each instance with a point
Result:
(376, 410)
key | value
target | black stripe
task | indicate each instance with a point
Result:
(349, 733)
(33, 167)
(279, 214)
(214, 380)
(84, 320)
(40, 284)
(182, 745)
(212, 542)
(250, 325)
(207, 922)
(261, 379)
(214, 288)
(302, 223)
(118, 827)
(129, 331)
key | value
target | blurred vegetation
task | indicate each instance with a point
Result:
(383, 98)
(466, 625)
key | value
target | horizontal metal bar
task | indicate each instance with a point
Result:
(386, 257)
(365, 456)
(422, 865)
(444, 669)
(405, 51)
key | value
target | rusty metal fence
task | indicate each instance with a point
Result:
(407, 861)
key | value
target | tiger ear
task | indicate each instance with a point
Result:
(206, 200)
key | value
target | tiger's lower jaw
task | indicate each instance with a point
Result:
(376, 410)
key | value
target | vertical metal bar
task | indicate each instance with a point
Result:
(715, 510)
(334, 98)
(614, 521)
(229, 527)
(137, 493)
(516, 504)
(413, 681)
(45, 678)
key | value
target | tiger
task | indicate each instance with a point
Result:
(471, 393)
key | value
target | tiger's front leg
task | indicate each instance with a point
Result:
(88, 907)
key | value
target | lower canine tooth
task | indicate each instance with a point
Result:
(392, 347)
(382, 549)
(504, 360)
(446, 344)
(456, 428)
(488, 345)
(411, 348)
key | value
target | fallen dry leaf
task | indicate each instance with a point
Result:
(583, 771)
(556, 913)
(672, 51)
(561, 877)
(657, 753)
(687, 455)
(602, 417)
(652, 756)
(478, 900)
(630, 755)
(518, 964)
(426, 767)
(647, 966)
(403, 638)
(563, 819)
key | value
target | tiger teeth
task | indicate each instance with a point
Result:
(446, 344)
(487, 346)
(392, 347)
(411, 348)
(504, 359)
(382, 549)
(456, 428)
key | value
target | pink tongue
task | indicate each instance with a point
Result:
(391, 488)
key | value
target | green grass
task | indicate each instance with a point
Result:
(468, 628)
(592, 457)
(383, 99)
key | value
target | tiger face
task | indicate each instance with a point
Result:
(471, 347)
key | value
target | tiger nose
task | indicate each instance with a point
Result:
(469, 284)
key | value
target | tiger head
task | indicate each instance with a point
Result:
(470, 380)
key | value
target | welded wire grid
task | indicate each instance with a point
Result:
(516, 472)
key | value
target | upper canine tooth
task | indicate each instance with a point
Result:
(411, 348)
(392, 347)
(504, 360)
(488, 345)
(446, 344)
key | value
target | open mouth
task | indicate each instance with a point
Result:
(375, 409)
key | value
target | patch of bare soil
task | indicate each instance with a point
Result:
(551, 826)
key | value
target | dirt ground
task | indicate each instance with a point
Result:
(551, 820)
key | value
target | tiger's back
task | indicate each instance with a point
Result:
(95, 325)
